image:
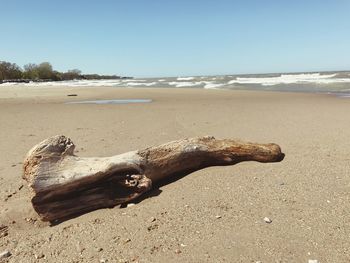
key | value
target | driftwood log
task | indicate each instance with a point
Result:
(64, 185)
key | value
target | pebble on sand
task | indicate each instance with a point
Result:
(267, 220)
(152, 219)
(5, 254)
(39, 256)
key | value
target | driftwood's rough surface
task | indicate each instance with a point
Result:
(64, 185)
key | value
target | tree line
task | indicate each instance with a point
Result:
(42, 72)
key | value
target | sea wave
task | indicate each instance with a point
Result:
(291, 79)
(69, 83)
(185, 78)
(145, 84)
(180, 84)
(210, 85)
(334, 82)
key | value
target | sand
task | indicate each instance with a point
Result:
(213, 215)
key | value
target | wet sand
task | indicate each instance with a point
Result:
(213, 215)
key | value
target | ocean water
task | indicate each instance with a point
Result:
(337, 83)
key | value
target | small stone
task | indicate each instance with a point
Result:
(127, 240)
(5, 254)
(183, 245)
(102, 260)
(30, 220)
(130, 205)
(152, 219)
(177, 251)
(99, 249)
(96, 221)
(313, 261)
(267, 220)
(39, 256)
(217, 217)
(152, 227)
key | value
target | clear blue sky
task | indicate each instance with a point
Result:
(177, 37)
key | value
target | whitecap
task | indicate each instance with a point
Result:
(147, 84)
(185, 78)
(210, 85)
(290, 79)
(180, 84)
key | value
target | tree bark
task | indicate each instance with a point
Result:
(64, 185)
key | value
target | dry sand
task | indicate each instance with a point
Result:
(213, 215)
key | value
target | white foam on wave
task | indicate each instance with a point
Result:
(71, 83)
(10, 84)
(185, 78)
(180, 84)
(210, 85)
(212, 82)
(134, 80)
(87, 83)
(132, 84)
(290, 79)
(205, 84)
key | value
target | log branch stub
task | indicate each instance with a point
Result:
(63, 184)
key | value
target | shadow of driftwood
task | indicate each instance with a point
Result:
(155, 191)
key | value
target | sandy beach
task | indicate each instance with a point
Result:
(213, 215)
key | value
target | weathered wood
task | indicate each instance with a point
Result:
(63, 184)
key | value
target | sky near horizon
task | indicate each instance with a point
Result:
(177, 38)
